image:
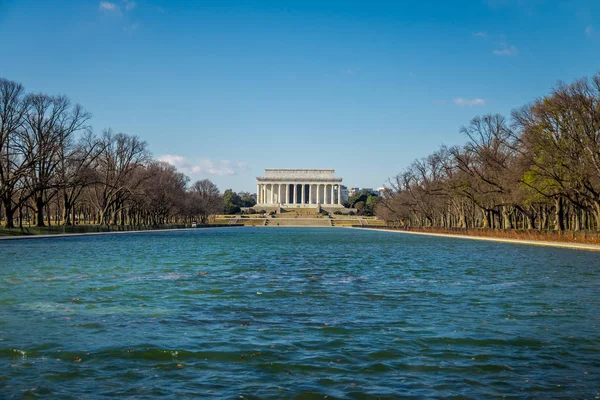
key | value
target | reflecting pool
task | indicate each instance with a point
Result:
(296, 313)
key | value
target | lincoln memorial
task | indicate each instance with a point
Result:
(299, 188)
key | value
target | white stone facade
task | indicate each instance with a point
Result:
(297, 188)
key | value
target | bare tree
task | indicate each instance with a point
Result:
(118, 167)
(13, 166)
(76, 172)
(163, 194)
(50, 123)
(206, 199)
(509, 176)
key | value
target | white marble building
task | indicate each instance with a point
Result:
(298, 188)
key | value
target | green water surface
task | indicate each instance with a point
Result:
(296, 313)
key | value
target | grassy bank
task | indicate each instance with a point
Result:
(580, 237)
(82, 229)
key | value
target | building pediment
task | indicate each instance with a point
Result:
(297, 173)
(299, 180)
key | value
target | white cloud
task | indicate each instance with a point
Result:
(108, 6)
(506, 50)
(480, 34)
(589, 30)
(203, 166)
(112, 7)
(462, 102)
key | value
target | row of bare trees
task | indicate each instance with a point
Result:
(54, 169)
(540, 169)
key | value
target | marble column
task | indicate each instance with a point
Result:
(331, 193)
(310, 193)
(339, 194)
(257, 193)
(279, 193)
(294, 196)
(318, 193)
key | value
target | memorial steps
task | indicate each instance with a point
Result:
(303, 220)
(344, 222)
(357, 221)
(375, 222)
(298, 222)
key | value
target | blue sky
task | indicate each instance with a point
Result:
(224, 89)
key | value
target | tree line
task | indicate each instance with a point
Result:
(364, 201)
(538, 169)
(54, 169)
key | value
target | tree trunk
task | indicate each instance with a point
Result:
(577, 220)
(530, 219)
(597, 215)
(68, 210)
(506, 222)
(9, 213)
(495, 219)
(560, 214)
(39, 209)
(21, 216)
(487, 221)
(48, 213)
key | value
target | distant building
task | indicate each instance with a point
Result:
(354, 190)
(298, 188)
(345, 196)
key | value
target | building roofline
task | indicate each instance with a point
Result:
(299, 169)
(262, 178)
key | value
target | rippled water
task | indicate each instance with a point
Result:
(296, 313)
